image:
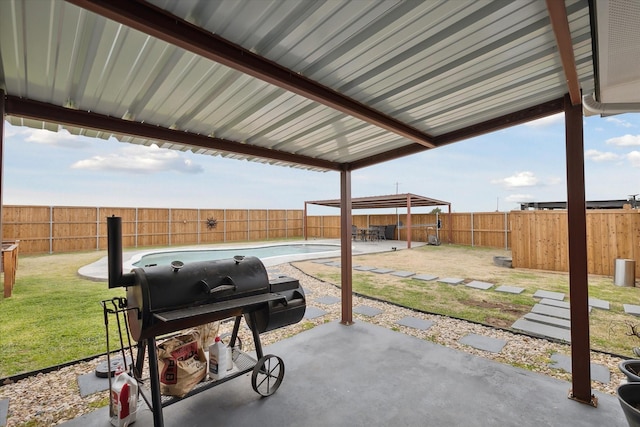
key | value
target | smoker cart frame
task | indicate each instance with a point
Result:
(267, 370)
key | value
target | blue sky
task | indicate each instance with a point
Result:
(493, 171)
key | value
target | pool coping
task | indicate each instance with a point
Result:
(98, 271)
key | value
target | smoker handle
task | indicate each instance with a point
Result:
(220, 288)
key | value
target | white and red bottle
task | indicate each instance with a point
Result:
(124, 398)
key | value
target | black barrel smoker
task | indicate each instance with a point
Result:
(165, 299)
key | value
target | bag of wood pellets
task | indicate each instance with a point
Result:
(182, 364)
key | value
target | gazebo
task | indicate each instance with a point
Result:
(406, 200)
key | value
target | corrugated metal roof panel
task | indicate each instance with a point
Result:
(437, 66)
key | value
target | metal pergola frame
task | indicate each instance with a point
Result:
(405, 200)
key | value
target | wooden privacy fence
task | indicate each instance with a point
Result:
(489, 229)
(537, 239)
(54, 229)
(540, 239)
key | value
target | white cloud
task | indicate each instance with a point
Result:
(140, 159)
(520, 198)
(600, 156)
(520, 179)
(56, 139)
(625, 141)
(619, 122)
(546, 121)
(634, 158)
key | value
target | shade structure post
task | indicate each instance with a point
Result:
(2, 113)
(345, 248)
(578, 276)
(408, 221)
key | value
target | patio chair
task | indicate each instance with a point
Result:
(354, 232)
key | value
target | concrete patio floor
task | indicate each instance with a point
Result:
(367, 375)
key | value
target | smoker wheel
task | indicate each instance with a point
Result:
(267, 375)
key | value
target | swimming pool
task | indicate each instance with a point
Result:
(291, 251)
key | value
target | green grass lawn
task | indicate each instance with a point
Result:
(53, 316)
(609, 329)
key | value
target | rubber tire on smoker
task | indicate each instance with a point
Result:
(267, 375)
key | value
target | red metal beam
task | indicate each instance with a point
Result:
(578, 276)
(560, 24)
(346, 262)
(161, 25)
(51, 113)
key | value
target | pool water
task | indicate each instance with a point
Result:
(194, 255)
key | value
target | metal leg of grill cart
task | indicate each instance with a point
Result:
(256, 334)
(154, 374)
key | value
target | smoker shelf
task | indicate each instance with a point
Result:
(243, 364)
(239, 303)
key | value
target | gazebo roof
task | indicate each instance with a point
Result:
(388, 201)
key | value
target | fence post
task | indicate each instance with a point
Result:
(472, 230)
(169, 231)
(506, 232)
(50, 229)
(135, 233)
(97, 228)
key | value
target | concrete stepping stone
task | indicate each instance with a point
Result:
(554, 303)
(542, 330)
(481, 342)
(549, 320)
(322, 261)
(4, 411)
(415, 323)
(631, 309)
(381, 270)
(367, 311)
(598, 303)
(598, 372)
(327, 300)
(548, 310)
(424, 277)
(510, 289)
(548, 294)
(479, 285)
(558, 304)
(363, 268)
(313, 312)
(402, 273)
(90, 383)
(333, 264)
(451, 280)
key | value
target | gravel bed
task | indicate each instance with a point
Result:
(53, 398)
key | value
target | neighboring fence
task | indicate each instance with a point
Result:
(539, 239)
(53, 229)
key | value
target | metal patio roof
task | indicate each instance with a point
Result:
(385, 201)
(323, 85)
